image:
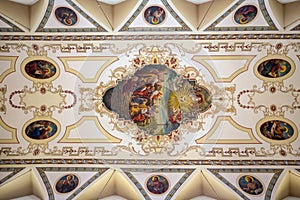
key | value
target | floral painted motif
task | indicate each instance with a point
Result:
(245, 14)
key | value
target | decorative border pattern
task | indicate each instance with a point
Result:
(139, 162)
(264, 11)
(13, 29)
(187, 172)
(147, 37)
(48, 12)
(45, 179)
(296, 28)
(13, 170)
(271, 185)
(183, 27)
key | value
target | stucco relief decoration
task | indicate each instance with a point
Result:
(158, 101)
(274, 127)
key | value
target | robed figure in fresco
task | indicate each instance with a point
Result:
(157, 99)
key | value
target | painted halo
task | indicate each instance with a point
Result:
(157, 184)
(277, 130)
(66, 16)
(245, 14)
(67, 183)
(274, 68)
(250, 185)
(40, 69)
(154, 15)
(41, 129)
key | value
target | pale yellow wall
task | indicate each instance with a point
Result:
(291, 12)
(16, 11)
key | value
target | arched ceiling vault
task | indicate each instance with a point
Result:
(149, 99)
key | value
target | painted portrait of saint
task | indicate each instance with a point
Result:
(40, 69)
(274, 68)
(67, 183)
(245, 14)
(277, 130)
(250, 185)
(66, 16)
(157, 184)
(154, 15)
(41, 129)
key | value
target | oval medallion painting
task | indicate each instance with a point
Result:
(157, 99)
(157, 184)
(41, 129)
(66, 16)
(245, 14)
(40, 69)
(277, 130)
(251, 185)
(274, 68)
(67, 183)
(154, 15)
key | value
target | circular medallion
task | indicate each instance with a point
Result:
(274, 68)
(157, 184)
(250, 185)
(245, 14)
(41, 129)
(276, 130)
(40, 69)
(66, 16)
(154, 15)
(67, 183)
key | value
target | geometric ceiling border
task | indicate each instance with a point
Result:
(187, 173)
(197, 37)
(109, 138)
(41, 28)
(12, 67)
(183, 27)
(13, 170)
(264, 11)
(271, 185)
(207, 140)
(13, 28)
(202, 60)
(139, 162)
(50, 192)
(296, 28)
(109, 60)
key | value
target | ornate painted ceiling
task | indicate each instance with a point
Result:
(149, 99)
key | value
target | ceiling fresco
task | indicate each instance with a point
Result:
(149, 99)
